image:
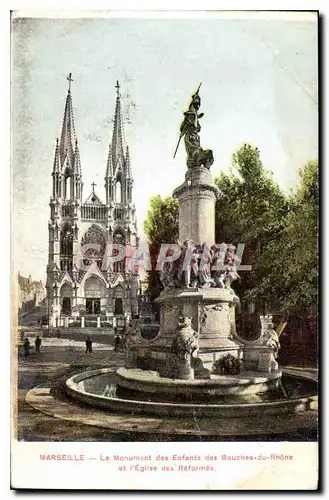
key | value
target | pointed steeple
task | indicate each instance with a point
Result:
(118, 166)
(117, 136)
(77, 163)
(109, 165)
(67, 175)
(128, 162)
(68, 136)
(56, 168)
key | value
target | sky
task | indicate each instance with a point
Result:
(259, 86)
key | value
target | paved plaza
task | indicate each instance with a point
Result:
(58, 360)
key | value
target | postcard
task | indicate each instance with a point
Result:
(164, 207)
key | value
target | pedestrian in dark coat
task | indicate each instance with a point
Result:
(26, 347)
(89, 345)
(37, 344)
(117, 342)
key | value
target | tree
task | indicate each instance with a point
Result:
(291, 260)
(251, 211)
(251, 204)
(161, 226)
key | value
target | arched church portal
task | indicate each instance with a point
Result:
(118, 306)
(118, 300)
(66, 299)
(94, 291)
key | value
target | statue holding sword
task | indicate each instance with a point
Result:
(190, 128)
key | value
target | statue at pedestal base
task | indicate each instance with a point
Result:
(184, 345)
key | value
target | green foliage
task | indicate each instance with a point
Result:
(252, 204)
(292, 260)
(161, 226)
(227, 365)
(251, 211)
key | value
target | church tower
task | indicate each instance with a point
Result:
(118, 187)
(89, 278)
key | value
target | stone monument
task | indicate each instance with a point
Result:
(197, 319)
(197, 285)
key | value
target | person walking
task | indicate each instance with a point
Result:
(37, 344)
(26, 347)
(117, 342)
(89, 345)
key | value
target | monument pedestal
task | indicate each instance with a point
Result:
(209, 310)
(211, 319)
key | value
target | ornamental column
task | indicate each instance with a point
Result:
(197, 197)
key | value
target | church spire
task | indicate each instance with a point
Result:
(56, 168)
(117, 136)
(68, 136)
(77, 163)
(118, 167)
(128, 162)
(67, 178)
(109, 165)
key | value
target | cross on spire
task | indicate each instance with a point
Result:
(70, 79)
(93, 186)
(68, 136)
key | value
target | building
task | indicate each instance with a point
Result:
(85, 276)
(30, 293)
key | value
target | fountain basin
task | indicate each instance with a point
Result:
(100, 388)
(218, 385)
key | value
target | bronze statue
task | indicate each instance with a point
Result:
(190, 128)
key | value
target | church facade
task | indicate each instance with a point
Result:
(89, 277)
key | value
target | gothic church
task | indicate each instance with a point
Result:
(83, 284)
